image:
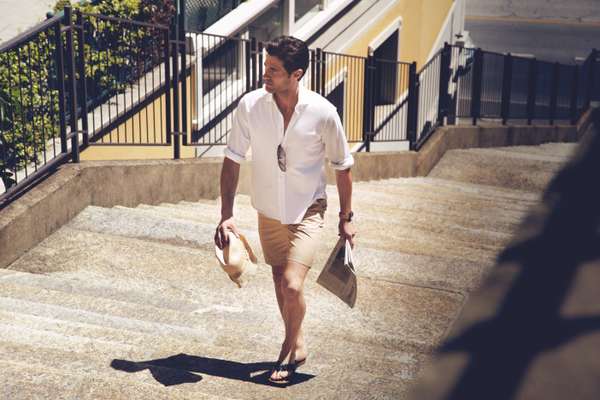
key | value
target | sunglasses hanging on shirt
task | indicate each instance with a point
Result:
(281, 158)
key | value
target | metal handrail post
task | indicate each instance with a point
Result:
(369, 103)
(82, 77)
(167, 61)
(531, 95)
(62, 106)
(318, 69)
(72, 85)
(476, 86)
(444, 97)
(592, 77)
(574, 94)
(506, 88)
(182, 44)
(413, 106)
(176, 114)
(323, 73)
(554, 92)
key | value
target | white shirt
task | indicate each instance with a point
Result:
(313, 133)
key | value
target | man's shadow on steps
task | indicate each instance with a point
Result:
(183, 368)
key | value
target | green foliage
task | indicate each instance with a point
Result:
(28, 104)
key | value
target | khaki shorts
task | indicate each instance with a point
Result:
(294, 242)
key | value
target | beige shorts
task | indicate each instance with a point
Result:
(294, 242)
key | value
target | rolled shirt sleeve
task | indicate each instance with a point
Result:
(239, 137)
(336, 145)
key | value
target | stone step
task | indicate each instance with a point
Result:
(560, 151)
(413, 205)
(422, 235)
(424, 194)
(99, 287)
(426, 213)
(459, 230)
(129, 222)
(24, 380)
(91, 341)
(187, 376)
(79, 338)
(472, 165)
(434, 185)
(410, 237)
(511, 153)
(420, 187)
(162, 268)
(245, 217)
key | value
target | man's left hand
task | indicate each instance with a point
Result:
(347, 231)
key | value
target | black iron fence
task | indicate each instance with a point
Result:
(508, 87)
(35, 98)
(84, 79)
(79, 79)
(122, 68)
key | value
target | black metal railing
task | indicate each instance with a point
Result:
(124, 65)
(79, 79)
(387, 94)
(226, 68)
(340, 78)
(36, 99)
(509, 87)
(83, 79)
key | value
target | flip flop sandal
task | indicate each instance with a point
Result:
(290, 369)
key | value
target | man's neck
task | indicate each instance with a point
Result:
(287, 100)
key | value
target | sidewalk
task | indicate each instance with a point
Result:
(20, 15)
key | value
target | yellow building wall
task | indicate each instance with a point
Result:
(421, 23)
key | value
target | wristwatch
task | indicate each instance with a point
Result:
(346, 217)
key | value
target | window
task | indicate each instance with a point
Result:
(306, 8)
(386, 70)
(269, 25)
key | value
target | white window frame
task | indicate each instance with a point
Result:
(394, 27)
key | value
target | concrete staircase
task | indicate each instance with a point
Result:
(129, 303)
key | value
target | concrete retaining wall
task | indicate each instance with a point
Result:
(53, 202)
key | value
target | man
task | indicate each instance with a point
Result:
(291, 131)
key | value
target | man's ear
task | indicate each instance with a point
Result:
(298, 74)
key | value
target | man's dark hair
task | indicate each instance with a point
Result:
(291, 51)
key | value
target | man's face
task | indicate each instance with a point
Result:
(276, 78)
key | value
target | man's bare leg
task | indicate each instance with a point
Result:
(289, 286)
(300, 349)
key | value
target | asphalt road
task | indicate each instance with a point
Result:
(20, 15)
(552, 30)
(550, 41)
(564, 10)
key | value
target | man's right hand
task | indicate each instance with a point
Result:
(225, 226)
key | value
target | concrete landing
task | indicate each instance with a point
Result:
(129, 303)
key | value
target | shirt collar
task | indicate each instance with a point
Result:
(302, 97)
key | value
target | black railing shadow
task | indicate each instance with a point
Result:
(559, 239)
(183, 368)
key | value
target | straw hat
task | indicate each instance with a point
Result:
(234, 259)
